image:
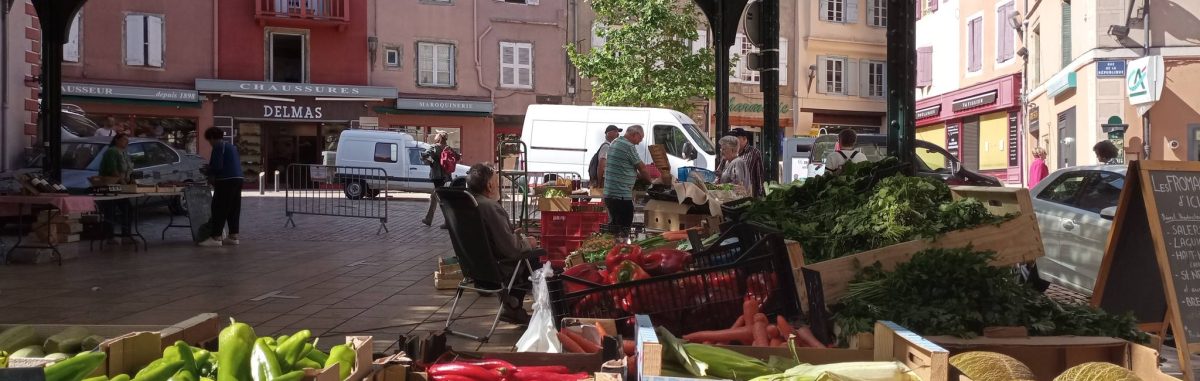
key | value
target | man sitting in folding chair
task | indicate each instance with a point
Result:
(506, 244)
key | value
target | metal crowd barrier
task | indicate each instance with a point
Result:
(326, 190)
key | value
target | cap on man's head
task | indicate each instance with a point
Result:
(739, 132)
(611, 128)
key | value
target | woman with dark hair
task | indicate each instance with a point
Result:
(1106, 152)
(225, 173)
(117, 168)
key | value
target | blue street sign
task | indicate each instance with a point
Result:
(1110, 68)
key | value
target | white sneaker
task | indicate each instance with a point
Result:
(209, 243)
(230, 242)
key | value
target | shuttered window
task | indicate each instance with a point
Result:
(925, 66)
(933, 5)
(877, 13)
(833, 10)
(144, 40)
(435, 64)
(975, 44)
(742, 48)
(1005, 34)
(516, 65)
(1067, 57)
(874, 79)
(832, 76)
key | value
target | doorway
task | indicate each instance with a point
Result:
(1066, 139)
(287, 57)
(1194, 142)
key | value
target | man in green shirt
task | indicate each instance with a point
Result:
(622, 169)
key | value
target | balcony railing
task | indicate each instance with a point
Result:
(303, 12)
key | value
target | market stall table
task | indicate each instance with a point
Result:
(59, 204)
(137, 200)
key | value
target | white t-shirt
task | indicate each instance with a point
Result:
(105, 131)
(836, 159)
(604, 150)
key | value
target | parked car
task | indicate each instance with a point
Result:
(153, 162)
(382, 160)
(1075, 207)
(932, 160)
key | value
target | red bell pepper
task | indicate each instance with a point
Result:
(663, 261)
(585, 272)
(626, 271)
(622, 252)
(760, 286)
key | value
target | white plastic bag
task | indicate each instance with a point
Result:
(541, 336)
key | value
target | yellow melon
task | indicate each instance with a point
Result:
(1097, 371)
(991, 366)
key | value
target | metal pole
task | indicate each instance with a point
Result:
(769, 82)
(901, 74)
(276, 181)
(1146, 53)
(262, 186)
(722, 72)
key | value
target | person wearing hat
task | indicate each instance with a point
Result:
(753, 158)
(600, 159)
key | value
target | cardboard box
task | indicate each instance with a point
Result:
(667, 221)
(448, 281)
(130, 347)
(391, 368)
(893, 343)
(363, 366)
(1049, 356)
(556, 204)
(448, 265)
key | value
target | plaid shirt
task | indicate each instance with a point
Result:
(753, 159)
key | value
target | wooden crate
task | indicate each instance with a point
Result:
(555, 204)
(446, 281)
(1017, 240)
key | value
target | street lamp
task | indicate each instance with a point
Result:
(372, 46)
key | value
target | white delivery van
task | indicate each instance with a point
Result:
(564, 138)
(397, 154)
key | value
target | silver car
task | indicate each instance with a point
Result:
(1074, 208)
(154, 160)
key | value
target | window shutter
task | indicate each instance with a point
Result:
(822, 74)
(864, 83)
(154, 41)
(824, 10)
(525, 65)
(933, 6)
(1066, 34)
(597, 40)
(924, 66)
(885, 78)
(975, 62)
(71, 48)
(852, 11)
(452, 71)
(783, 66)
(850, 77)
(135, 40)
(507, 57)
(531, 2)
(701, 41)
(917, 4)
(736, 51)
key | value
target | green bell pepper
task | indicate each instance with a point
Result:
(184, 375)
(184, 352)
(97, 378)
(263, 364)
(159, 371)
(291, 376)
(233, 361)
(317, 355)
(292, 349)
(343, 355)
(75, 368)
(306, 363)
(120, 377)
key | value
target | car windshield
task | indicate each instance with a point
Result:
(80, 155)
(702, 141)
(931, 158)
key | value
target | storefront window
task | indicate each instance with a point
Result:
(331, 133)
(249, 144)
(179, 133)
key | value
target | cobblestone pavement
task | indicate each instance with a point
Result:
(334, 275)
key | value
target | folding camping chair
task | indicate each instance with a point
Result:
(480, 267)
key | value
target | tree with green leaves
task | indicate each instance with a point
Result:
(647, 59)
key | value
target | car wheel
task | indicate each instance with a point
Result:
(178, 206)
(355, 190)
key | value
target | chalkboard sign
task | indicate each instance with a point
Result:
(1157, 221)
(199, 209)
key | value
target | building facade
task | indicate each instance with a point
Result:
(840, 66)
(969, 84)
(1081, 55)
(469, 67)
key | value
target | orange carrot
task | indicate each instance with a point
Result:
(773, 332)
(742, 334)
(600, 328)
(569, 345)
(629, 347)
(775, 341)
(749, 309)
(785, 329)
(741, 322)
(760, 331)
(805, 335)
(587, 345)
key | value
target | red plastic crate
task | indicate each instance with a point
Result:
(583, 220)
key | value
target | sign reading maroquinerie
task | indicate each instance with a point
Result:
(291, 112)
(443, 105)
(129, 92)
(300, 89)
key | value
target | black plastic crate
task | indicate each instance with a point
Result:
(704, 299)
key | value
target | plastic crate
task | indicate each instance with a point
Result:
(704, 299)
(684, 173)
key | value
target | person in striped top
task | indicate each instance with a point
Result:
(622, 169)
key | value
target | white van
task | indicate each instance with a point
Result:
(564, 138)
(396, 153)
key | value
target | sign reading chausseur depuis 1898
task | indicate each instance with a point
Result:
(129, 92)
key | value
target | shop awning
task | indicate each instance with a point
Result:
(395, 111)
